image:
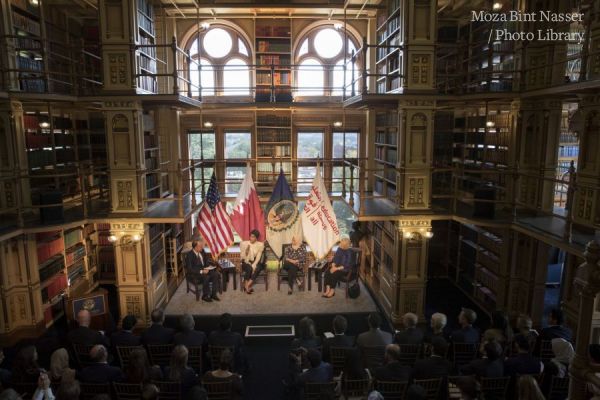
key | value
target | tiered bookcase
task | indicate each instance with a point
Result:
(477, 263)
(389, 62)
(29, 52)
(386, 153)
(146, 56)
(273, 147)
(151, 158)
(382, 261)
(174, 240)
(273, 57)
(105, 255)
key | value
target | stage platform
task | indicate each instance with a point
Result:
(270, 303)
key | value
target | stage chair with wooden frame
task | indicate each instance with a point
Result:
(432, 387)
(495, 388)
(168, 390)
(392, 390)
(546, 353)
(193, 280)
(219, 390)
(283, 274)
(82, 354)
(559, 388)
(355, 388)
(464, 353)
(195, 358)
(214, 352)
(124, 352)
(262, 277)
(160, 354)
(409, 353)
(127, 391)
(373, 356)
(90, 390)
(337, 358)
(318, 391)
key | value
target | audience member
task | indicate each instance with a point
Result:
(83, 334)
(339, 339)
(500, 331)
(157, 333)
(188, 336)
(392, 369)
(25, 367)
(69, 391)
(528, 389)
(353, 368)
(139, 369)
(435, 366)
(556, 328)
(525, 328)
(318, 371)
(59, 366)
(307, 335)
(411, 334)
(374, 336)
(125, 336)
(469, 388)
(224, 337)
(563, 355)
(437, 324)
(491, 365)
(100, 371)
(223, 373)
(467, 333)
(150, 392)
(43, 390)
(522, 362)
(416, 392)
(179, 371)
(375, 395)
(9, 394)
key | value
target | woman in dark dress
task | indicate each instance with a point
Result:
(179, 371)
(294, 258)
(25, 367)
(139, 369)
(342, 263)
(224, 374)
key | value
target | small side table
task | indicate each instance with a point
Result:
(317, 268)
(228, 268)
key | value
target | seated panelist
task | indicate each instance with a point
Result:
(294, 258)
(251, 252)
(342, 263)
(201, 262)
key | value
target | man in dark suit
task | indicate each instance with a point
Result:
(100, 371)
(467, 333)
(83, 334)
(490, 366)
(523, 363)
(157, 333)
(436, 366)
(319, 371)
(224, 337)
(188, 336)
(339, 339)
(556, 329)
(125, 336)
(198, 261)
(411, 334)
(392, 369)
(374, 336)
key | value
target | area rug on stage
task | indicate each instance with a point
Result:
(271, 302)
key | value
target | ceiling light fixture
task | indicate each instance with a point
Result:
(208, 124)
(497, 6)
(490, 124)
(337, 124)
(44, 124)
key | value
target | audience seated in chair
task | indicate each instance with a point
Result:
(470, 388)
(392, 369)
(411, 334)
(318, 371)
(467, 333)
(522, 362)
(179, 371)
(70, 391)
(125, 336)
(59, 366)
(100, 371)
(223, 374)
(225, 337)
(253, 261)
(307, 335)
(83, 334)
(342, 265)
(139, 369)
(339, 339)
(435, 366)
(500, 331)
(157, 333)
(293, 261)
(199, 262)
(150, 392)
(491, 365)
(374, 336)
(556, 328)
(188, 336)
(25, 368)
(524, 327)
(528, 389)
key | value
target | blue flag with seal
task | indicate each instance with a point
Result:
(282, 216)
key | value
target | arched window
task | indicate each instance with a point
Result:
(322, 55)
(224, 56)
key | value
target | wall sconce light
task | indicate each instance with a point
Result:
(409, 235)
(34, 2)
(337, 124)
(497, 6)
(112, 238)
(136, 238)
(205, 25)
(208, 124)
(428, 234)
(44, 124)
(490, 124)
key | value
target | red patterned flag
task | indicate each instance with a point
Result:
(213, 221)
(247, 214)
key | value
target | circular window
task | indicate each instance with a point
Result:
(217, 43)
(328, 43)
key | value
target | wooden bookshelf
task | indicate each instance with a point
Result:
(151, 158)
(146, 56)
(273, 147)
(273, 57)
(386, 153)
(29, 49)
(384, 247)
(105, 255)
(389, 63)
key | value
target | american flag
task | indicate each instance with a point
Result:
(213, 221)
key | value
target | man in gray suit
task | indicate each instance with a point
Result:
(374, 336)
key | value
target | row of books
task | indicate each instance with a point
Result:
(156, 247)
(267, 168)
(73, 237)
(146, 23)
(264, 46)
(150, 141)
(76, 272)
(568, 151)
(51, 268)
(273, 60)
(29, 64)
(57, 285)
(147, 83)
(48, 249)
(273, 120)
(274, 150)
(149, 51)
(28, 43)
(152, 163)
(386, 154)
(31, 7)
(147, 63)
(26, 24)
(277, 31)
(75, 254)
(386, 138)
(273, 135)
(386, 119)
(151, 180)
(278, 78)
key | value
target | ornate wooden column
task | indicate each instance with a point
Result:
(587, 284)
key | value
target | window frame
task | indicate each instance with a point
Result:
(237, 162)
(208, 163)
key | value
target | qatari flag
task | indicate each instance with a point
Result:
(247, 214)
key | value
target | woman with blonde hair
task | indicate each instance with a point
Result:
(294, 258)
(179, 370)
(59, 366)
(528, 389)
